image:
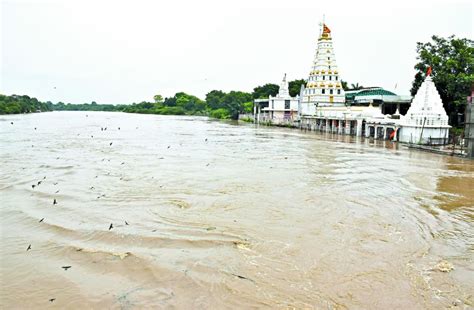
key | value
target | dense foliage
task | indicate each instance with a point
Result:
(295, 87)
(93, 106)
(262, 92)
(21, 104)
(452, 63)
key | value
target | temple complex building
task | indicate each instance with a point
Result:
(371, 112)
(388, 101)
(279, 109)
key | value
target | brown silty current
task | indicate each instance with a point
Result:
(254, 217)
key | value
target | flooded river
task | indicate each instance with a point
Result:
(187, 212)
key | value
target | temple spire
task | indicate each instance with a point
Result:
(284, 91)
(323, 87)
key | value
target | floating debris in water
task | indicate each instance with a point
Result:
(122, 255)
(242, 277)
(444, 266)
(241, 245)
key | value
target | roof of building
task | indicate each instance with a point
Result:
(369, 92)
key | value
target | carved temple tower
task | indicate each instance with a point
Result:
(426, 121)
(323, 88)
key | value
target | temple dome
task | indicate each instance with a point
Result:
(426, 106)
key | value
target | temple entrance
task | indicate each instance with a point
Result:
(371, 132)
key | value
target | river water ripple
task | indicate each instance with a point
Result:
(208, 214)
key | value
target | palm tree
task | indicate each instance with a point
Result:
(356, 86)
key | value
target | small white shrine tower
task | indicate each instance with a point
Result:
(323, 87)
(426, 121)
(279, 109)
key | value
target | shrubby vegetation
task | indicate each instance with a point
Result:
(21, 104)
(93, 106)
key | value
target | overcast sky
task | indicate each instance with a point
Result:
(127, 51)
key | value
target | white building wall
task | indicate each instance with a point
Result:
(420, 135)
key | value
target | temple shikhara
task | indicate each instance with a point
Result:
(426, 121)
(323, 105)
(323, 87)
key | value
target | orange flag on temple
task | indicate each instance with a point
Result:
(326, 29)
(428, 72)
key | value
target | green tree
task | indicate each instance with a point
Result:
(356, 86)
(262, 92)
(214, 99)
(295, 86)
(189, 103)
(248, 107)
(344, 85)
(170, 102)
(15, 104)
(452, 63)
(158, 99)
(220, 113)
(234, 102)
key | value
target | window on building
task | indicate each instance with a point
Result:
(287, 104)
(330, 91)
(336, 77)
(324, 77)
(330, 78)
(323, 91)
(338, 91)
(329, 58)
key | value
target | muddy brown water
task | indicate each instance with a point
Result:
(252, 217)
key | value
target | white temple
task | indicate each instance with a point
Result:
(426, 121)
(323, 87)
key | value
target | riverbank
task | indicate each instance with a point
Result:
(448, 150)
